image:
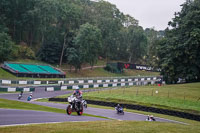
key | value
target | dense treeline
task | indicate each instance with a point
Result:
(72, 31)
(179, 51)
(81, 31)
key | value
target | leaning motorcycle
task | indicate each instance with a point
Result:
(75, 105)
(119, 110)
(84, 102)
(19, 96)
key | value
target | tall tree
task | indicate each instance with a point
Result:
(179, 51)
(137, 42)
(89, 39)
(6, 47)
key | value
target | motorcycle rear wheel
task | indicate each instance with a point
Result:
(80, 112)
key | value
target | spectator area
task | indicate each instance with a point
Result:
(31, 70)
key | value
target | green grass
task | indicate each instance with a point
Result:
(182, 97)
(187, 121)
(105, 127)
(191, 122)
(100, 72)
(10, 104)
(96, 72)
(113, 126)
(6, 75)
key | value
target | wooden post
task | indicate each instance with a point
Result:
(184, 96)
(168, 93)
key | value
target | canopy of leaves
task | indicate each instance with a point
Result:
(179, 51)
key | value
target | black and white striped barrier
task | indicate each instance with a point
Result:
(97, 85)
(82, 81)
(15, 89)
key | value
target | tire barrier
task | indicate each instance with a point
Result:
(140, 108)
(15, 89)
(149, 79)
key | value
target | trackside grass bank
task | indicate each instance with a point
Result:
(10, 104)
(180, 97)
(105, 127)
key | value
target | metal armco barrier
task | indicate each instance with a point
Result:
(140, 108)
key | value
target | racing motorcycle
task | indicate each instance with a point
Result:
(29, 97)
(19, 96)
(150, 118)
(119, 110)
(84, 102)
(75, 105)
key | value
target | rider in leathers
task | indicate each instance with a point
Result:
(78, 94)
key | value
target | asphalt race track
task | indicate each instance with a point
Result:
(18, 117)
(10, 116)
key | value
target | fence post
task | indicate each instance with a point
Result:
(184, 96)
(168, 93)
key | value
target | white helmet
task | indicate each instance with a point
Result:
(77, 88)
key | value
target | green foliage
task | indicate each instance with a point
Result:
(27, 106)
(74, 58)
(179, 51)
(54, 25)
(137, 43)
(153, 38)
(112, 69)
(25, 52)
(6, 47)
(89, 41)
(50, 51)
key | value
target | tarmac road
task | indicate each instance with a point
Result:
(11, 118)
(18, 117)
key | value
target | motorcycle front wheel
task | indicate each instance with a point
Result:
(69, 110)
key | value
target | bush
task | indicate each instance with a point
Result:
(23, 51)
(112, 69)
(6, 47)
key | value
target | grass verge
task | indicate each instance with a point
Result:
(106, 127)
(183, 97)
(10, 104)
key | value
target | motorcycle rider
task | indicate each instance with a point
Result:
(118, 107)
(30, 97)
(20, 95)
(78, 94)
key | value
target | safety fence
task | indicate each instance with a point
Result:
(15, 89)
(82, 80)
(97, 85)
(140, 108)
